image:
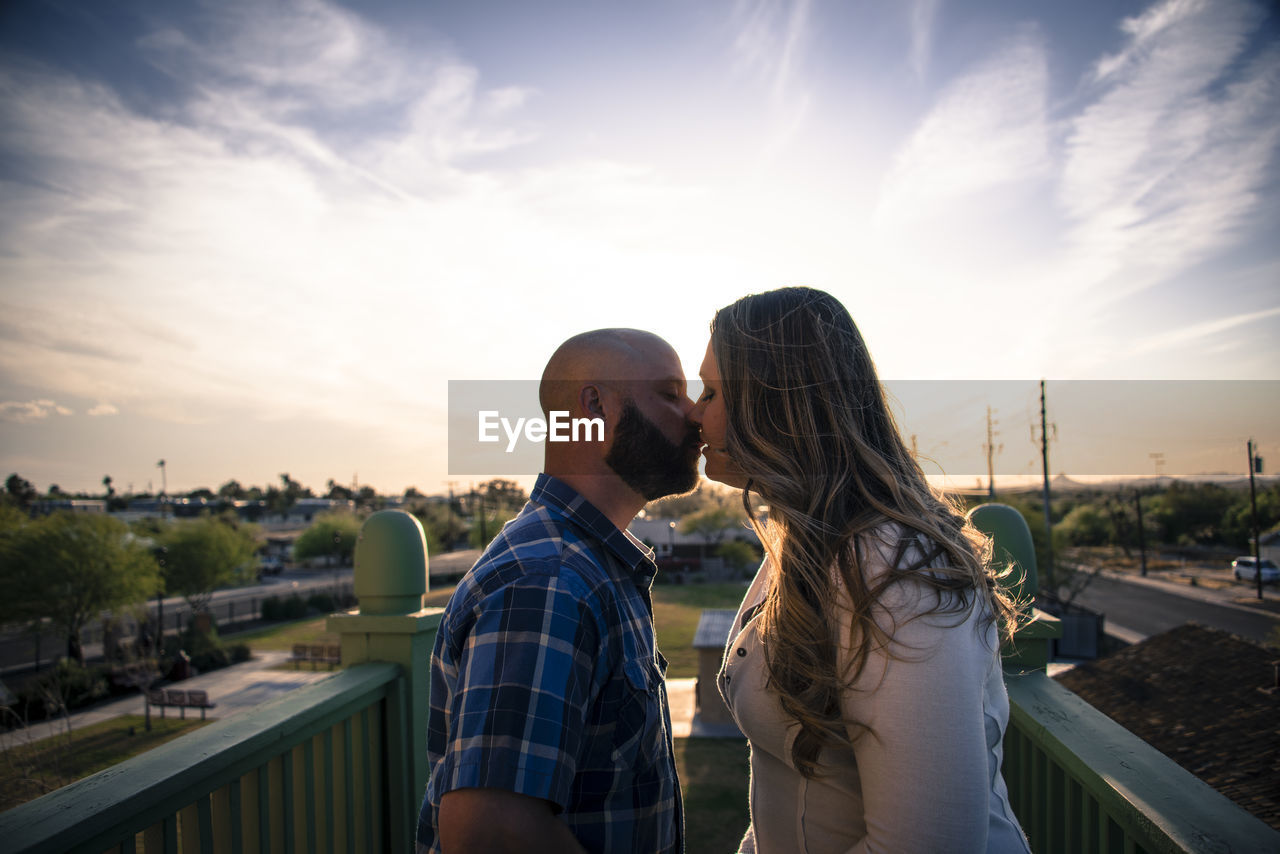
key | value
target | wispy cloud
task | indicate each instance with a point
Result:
(1166, 163)
(249, 253)
(21, 411)
(923, 14)
(1197, 334)
(103, 409)
(988, 129)
(770, 36)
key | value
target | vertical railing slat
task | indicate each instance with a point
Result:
(326, 777)
(204, 824)
(348, 769)
(288, 812)
(235, 819)
(264, 807)
(170, 824)
(366, 783)
(308, 788)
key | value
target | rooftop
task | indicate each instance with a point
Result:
(1203, 697)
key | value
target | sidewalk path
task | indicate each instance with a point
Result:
(235, 689)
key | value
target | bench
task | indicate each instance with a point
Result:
(316, 654)
(164, 698)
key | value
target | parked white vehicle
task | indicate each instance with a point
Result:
(1243, 569)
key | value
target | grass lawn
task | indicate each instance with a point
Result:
(676, 609)
(713, 781)
(31, 770)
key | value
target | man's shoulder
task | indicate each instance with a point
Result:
(536, 548)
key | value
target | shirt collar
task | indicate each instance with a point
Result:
(555, 494)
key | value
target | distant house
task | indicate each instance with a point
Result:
(75, 505)
(668, 543)
(304, 510)
(1269, 546)
(1203, 697)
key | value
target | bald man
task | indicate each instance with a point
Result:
(549, 727)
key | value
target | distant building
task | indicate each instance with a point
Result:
(1269, 546)
(75, 505)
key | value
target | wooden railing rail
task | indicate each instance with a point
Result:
(305, 772)
(1080, 782)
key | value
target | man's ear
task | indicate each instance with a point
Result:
(591, 401)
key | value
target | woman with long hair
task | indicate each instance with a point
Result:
(864, 663)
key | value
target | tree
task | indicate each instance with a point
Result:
(21, 491)
(70, 567)
(442, 526)
(337, 492)
(710, 524)
(738, 555)
(231, 490)
(204, 555)
(331, 535)
(1087, 525)
(503, 494)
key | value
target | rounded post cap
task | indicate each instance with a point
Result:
(391, 564)
(1011, 541)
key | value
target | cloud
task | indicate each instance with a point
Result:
(244, 254)
(923, 15)
(1197, 334)
(103, 409)
(770, 36)
(21, 412)
(987, 130)
(1166, 163)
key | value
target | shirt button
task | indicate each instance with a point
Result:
(741, 652)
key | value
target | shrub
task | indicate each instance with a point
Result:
(290, 608)
(68, 684)
(322, 602)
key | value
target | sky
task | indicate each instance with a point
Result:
(253, 238)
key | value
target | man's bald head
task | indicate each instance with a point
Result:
(602, 355)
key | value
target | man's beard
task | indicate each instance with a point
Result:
(649, 462)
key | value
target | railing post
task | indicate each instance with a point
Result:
(391, 625)
(1011, 543)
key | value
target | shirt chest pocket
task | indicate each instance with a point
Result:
(641, 733)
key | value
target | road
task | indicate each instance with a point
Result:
(1148, 610)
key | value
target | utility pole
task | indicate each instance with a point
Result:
(1048, 520)
(164, 488)
(991, 450)
(1255, 465)
(1142, 535)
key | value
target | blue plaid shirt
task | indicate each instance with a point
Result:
(546, 681)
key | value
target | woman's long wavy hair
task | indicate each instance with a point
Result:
(808, 422)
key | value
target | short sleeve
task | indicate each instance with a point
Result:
(525, 679)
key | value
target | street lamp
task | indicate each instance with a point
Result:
(671, 531)
(164, 487)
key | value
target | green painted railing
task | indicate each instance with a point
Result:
(1080, 782)
(339, 766)
(306, 772)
